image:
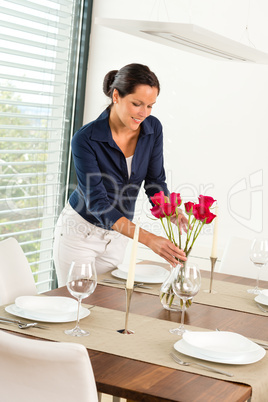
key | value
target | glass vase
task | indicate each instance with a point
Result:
(170, 301)
(168, 298)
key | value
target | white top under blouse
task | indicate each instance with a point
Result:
(129, 163)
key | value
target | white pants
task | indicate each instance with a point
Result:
(76, 240)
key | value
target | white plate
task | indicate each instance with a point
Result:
(138, 278)
(49, 305)
(262, 298)
(220, 344)
(67, 317)
(145, 269)
(184, 348)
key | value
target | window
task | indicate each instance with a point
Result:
(39, 49)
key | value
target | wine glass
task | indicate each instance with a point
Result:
(259, 256)
(186, 284)
(81, 282)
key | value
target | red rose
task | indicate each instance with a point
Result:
(175, 199)
(189, 207)
(157, 211)
(210, 218)
(169, 209)
(158, 198)
(202, 213)
(206, 200)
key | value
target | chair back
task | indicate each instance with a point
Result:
(16, 278)
(33, 370)
(236, 261)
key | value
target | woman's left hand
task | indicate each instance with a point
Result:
(181, 218)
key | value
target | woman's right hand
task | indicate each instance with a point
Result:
(166, 249)
(160, 245)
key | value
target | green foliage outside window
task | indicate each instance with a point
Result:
(23, 167)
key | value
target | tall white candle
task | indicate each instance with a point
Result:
(215, 235)
(132, 264)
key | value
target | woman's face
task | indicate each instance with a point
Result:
(132, 109)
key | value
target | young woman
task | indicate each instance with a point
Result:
(113, 155)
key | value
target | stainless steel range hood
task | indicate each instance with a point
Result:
(187, 37)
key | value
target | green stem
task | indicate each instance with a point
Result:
(161, 220)
(196, 230)
(189, 224)
(171, 231)
(189, 232)
(178, 227)
(197, 234)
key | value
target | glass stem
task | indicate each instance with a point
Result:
(78, 311)
(183, 312)
(258, 277)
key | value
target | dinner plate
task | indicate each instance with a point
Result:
(47, 304)
(56, 318)
(262, 298)
(139, 278)
(147, 270)
(183, 347)
(220, 344)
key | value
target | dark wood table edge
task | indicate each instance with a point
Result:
(240, 391)
(139, 370)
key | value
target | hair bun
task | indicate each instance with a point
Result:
(108, 81)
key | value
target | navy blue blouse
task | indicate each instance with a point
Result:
(104, 192)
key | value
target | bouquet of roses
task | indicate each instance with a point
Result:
(167, 209)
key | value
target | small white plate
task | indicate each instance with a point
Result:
(66, 317)
(138, 278)
(145, 269)
(262, 298)
(221, 344)
(182, 347)
(49, 305)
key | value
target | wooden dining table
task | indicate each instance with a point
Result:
(140, 381)
(136, 379)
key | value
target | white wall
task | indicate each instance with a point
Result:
(214, 113)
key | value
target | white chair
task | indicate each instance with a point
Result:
(236, 261)
(33, 370)
(16, 278)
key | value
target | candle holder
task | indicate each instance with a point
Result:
(127, 331)
(213, 263)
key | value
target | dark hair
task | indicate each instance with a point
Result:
(128, 78)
